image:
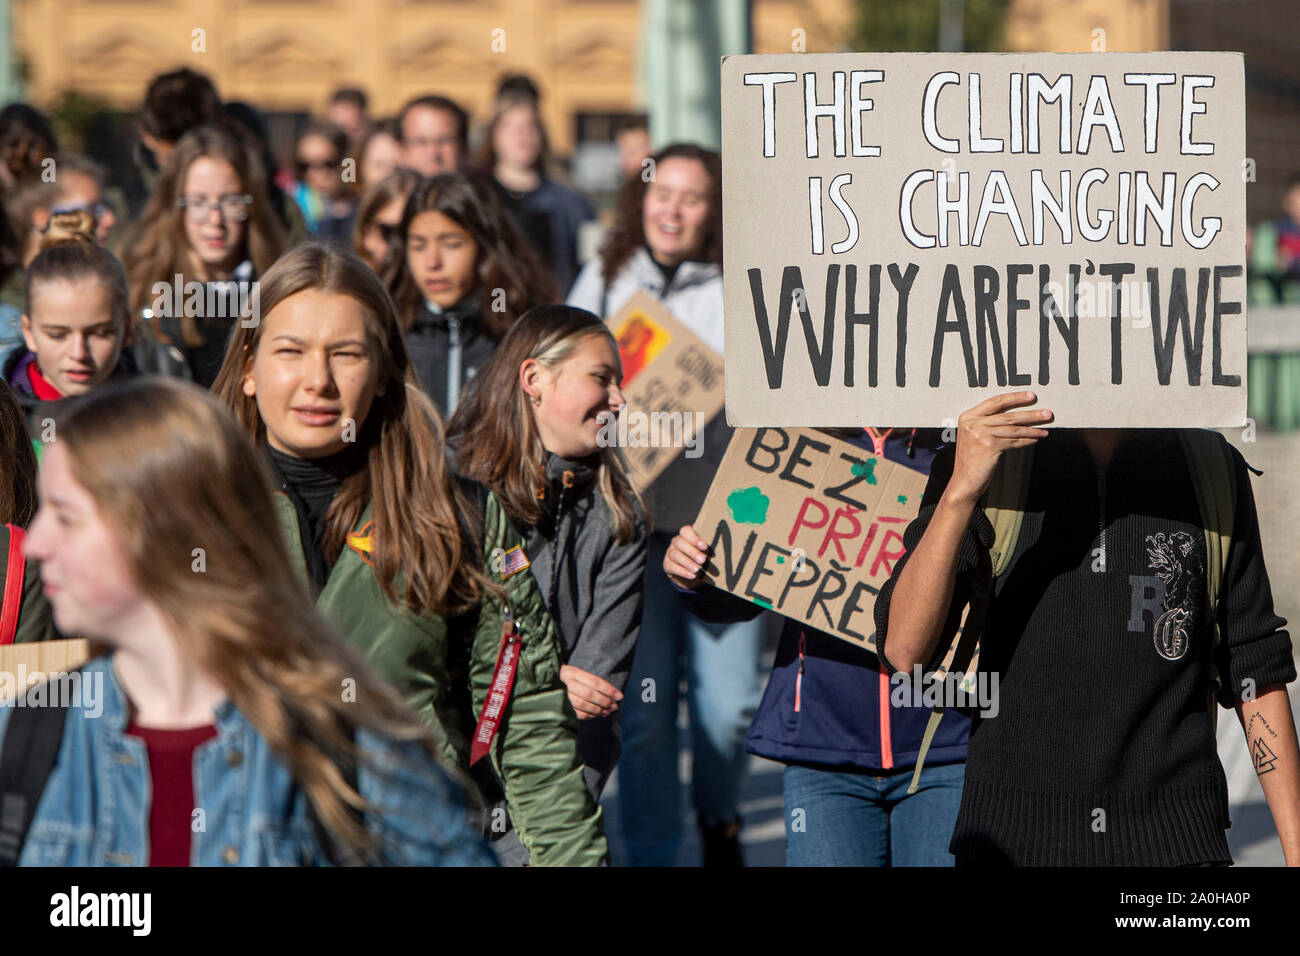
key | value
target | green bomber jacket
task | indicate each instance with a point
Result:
(428, 658)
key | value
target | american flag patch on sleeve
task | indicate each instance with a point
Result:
(513, 561)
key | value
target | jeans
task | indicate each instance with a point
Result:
(857, 818)
(720, 663)
(11, 330)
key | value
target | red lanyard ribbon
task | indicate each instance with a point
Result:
(878, 440)
(503, 678)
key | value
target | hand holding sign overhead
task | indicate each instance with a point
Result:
(938, 228)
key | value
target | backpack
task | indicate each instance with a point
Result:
(1214, 478)
(30, 750)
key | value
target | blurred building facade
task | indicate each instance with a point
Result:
(589, 57)
(287, 56)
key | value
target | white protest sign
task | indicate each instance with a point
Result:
(907, 234)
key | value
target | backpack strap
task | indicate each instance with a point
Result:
(30, 750)
(1004, 505)
(967, 646)
(1214, 478)
(15, 572)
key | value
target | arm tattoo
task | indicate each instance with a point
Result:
(1260, 753)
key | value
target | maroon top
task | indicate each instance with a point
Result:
(171, 767)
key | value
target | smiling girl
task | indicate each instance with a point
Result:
(530, 429)
(208, 221)
(666, 240)
(410, 564)
(461, 275)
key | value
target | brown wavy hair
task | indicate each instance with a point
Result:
(161, 251)
(627, 234)
(26, 140)
(417, 505)
(506, 260)
(172, 470)
(496, 435)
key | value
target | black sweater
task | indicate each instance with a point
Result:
(1105, 674)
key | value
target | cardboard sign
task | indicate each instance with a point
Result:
(809, 526)
(23, 664)
(908, 233)
(673, 383)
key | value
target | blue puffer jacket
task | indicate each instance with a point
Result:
(839, 714)
(94, 810)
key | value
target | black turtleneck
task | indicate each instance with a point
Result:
(311, 484)
(668, 271)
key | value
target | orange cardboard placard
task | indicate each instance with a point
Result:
(674, 386)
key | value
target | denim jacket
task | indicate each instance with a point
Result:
(95, 807)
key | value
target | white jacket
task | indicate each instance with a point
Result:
(694, 297)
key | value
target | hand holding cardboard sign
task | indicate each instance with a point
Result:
(984, 433)
(684, 562)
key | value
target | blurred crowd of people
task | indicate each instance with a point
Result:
(237, 273)
(317, 454)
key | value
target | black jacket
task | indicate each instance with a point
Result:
(161, 348)
(447, 348)
(1100, 635)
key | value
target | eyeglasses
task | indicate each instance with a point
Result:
(234, 208)
(96, 209)
(317, 164)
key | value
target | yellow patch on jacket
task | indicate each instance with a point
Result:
(362, 542)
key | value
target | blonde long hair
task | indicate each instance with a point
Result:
(417, 505)
(174, 473)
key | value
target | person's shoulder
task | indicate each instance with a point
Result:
(13, 358)
(1210, 442)
(599, 520)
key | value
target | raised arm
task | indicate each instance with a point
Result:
(923, 593)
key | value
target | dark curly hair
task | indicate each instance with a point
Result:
(505, 259)
(628, 232)
(26, 140)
